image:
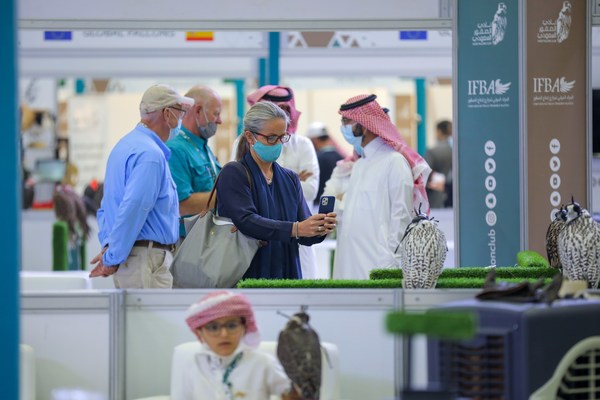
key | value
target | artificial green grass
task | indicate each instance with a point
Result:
(438, 324)
(443, 283)
(318, 283)
(477, 283)
(530, 259)
(476, 272)
(60, 246)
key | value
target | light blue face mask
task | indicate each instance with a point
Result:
(174, 131)
(267, 153)
(355, 141)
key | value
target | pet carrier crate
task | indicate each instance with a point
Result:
(517, 350)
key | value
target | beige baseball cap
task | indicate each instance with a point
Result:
(161, 96)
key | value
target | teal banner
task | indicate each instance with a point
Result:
(487, 131)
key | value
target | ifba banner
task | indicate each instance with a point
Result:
(557, 151)
(487, 123)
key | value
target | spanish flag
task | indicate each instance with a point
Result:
(199, 36)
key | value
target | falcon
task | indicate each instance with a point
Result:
(579, 246)
(422, 252)
(299, 352)
(557, 224)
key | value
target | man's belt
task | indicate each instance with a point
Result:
(155, 245)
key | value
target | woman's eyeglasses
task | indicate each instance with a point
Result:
(214, 328)
(272, 139)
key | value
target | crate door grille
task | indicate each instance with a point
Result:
(582, 378)
(476, 368)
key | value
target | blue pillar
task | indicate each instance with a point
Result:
(273, 71)
(10, 207)
(240, 101)
(422, 113)
(262, 71)
(268, 69)
(79, 86)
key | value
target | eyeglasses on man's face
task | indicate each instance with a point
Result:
(272, 139)
(215, 328)
(181, 110)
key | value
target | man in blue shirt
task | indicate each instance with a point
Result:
(193, 165)
(138, 216)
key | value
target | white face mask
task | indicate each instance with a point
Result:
(174, 131)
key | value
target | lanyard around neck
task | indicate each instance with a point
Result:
(213, 171)
(228, 370)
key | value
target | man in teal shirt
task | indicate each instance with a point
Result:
(193, 165)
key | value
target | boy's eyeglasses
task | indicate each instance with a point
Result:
(214, 328)
(272, 139)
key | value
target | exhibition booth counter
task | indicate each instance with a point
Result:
(92, 339)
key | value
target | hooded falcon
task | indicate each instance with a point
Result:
(557, 224)
(579, 246)
(422, 253)
(299, 352)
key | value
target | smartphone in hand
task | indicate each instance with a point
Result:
(326, 204)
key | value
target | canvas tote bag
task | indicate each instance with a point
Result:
(211, 256)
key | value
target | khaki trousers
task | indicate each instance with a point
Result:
(145, 268)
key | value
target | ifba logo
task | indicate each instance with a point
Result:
(491, 33)
(481, 87)
(553, 92)
(556, 31)
(550, 85)
(488, 94)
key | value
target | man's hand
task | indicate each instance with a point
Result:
(304, 175)
(100, 269)
(437, 186)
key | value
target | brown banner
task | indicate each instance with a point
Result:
(556, 84)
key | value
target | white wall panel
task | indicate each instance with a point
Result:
(203, 15)
(352, 319)
(71, 337)
(129, 65)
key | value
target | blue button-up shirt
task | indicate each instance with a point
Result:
(140, 197)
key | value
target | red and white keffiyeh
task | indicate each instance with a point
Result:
(221, 304)
(278, 95)
(367, 112)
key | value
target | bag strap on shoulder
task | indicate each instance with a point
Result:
(238, 165)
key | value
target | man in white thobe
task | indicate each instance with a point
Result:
(386, 184)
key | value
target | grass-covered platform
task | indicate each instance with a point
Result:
(451, 278)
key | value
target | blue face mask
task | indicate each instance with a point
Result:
(267, 153)
(355, 141)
